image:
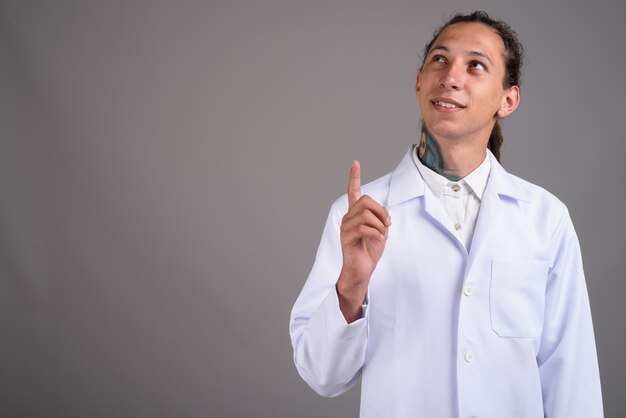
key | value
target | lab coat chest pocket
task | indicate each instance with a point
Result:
(517, 297)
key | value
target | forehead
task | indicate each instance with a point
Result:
(471, 37)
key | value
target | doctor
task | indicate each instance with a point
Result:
(449, 286)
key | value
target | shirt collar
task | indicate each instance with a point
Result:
(406, 182)
(476, 181)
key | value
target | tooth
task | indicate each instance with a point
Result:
(448, 105)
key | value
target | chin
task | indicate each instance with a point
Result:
(443, 129)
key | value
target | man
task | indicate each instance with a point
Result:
(453, 288)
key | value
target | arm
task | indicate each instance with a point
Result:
(329, 319)
(567, 358)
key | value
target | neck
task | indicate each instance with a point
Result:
(452, 160)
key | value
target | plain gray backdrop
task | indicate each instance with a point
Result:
(166, 169)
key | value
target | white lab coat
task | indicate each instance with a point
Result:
(502, 332)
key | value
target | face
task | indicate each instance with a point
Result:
(460, 87)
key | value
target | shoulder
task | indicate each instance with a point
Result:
(524, 192)
(536, 193)
(377, 189)
(402, 183)
(539, 203)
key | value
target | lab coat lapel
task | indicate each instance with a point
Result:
(491, 218)
(488, 224)
(406, 183)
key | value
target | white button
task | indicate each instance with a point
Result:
(457, 226)
(456, 188)
(469, 290)
(469, 356)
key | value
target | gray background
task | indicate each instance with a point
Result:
(166, 169)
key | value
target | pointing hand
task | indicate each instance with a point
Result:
(364, 231)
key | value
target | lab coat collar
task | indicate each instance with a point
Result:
(406, 182)
(491, 222)
(503, 183)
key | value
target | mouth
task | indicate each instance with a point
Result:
(447, 103)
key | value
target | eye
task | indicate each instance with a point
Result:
(438, 58)
(477, 65)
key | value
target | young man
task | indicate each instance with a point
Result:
(454, 288)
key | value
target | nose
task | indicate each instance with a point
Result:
(452, 77)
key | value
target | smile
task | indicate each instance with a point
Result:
(448, 105)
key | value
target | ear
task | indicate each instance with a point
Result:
(510, 102)
(417, 86)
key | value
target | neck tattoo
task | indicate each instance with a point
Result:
(429, 153)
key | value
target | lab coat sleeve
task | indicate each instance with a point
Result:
(567, 358)
(328, 352)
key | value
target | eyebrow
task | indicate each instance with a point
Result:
(470, 53)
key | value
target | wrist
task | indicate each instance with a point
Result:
(351, 289)
(351, 298)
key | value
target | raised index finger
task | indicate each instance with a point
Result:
(354, 184)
